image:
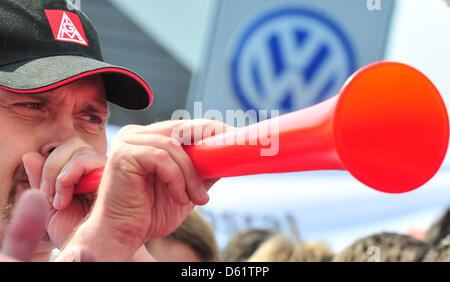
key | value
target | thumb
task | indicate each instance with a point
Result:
(27, 227)
(34, 163)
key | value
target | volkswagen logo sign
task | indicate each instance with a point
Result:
(290, 58)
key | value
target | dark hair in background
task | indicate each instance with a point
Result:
(243, 244)
(439, 230)
(198, 234)
(279, 248)
(440, 253)
(392, 247)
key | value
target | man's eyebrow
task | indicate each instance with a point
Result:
(41, 98)
(96, 109)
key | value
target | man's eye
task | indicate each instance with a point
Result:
(30, 110)
(92, 119)
(32, 106)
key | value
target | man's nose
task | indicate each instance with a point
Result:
(59, 132)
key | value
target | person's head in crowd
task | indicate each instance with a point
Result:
(312, 251)
(280, 249)
(439, 253)
(192, 241)
(242, 244)
(384, 247)
(277, 249)
(439, 229)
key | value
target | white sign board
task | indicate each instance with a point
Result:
(286, 55)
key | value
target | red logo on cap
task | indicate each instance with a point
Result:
(66, 26)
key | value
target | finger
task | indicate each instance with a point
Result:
(185, 131)
(27, 227)
(33, 163)
(56, 161)
(7, 259)
(193, 131)
(208, 183)
(154, 160)
(79, 164)
(195, 190)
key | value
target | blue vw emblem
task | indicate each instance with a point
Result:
(290, 58)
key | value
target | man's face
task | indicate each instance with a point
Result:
(41, 122)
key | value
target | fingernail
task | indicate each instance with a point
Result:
(45, 188)
(57, 201)
(205, 196)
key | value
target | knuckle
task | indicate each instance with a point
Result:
(122, 160)
(172, 143)
(129, 128)
(119, 150)
(161, 155)
(83, 151)
(120, 164)
(50, 168)
(126, 130)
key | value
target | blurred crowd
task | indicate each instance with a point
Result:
(194, 241)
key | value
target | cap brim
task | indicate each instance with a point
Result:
(123, 87)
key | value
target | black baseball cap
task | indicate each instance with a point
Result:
(45, 44)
